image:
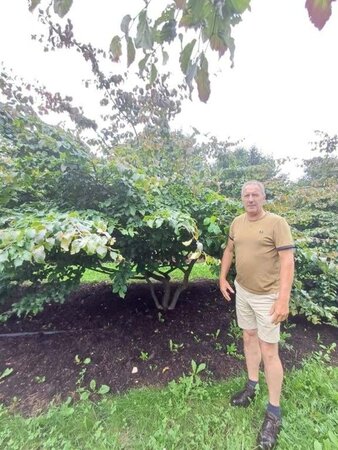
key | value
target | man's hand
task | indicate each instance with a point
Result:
(279, 312)
(226, 289)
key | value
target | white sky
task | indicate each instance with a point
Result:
(282, 88)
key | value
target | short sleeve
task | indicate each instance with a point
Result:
(282, 235)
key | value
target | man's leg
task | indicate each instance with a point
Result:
(273, 370)
(253, 359)
(252, 353)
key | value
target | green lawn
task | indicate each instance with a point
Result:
(188, 414)
(199, 271)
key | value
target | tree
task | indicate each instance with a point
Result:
(197, 24)
(68, 210)
(310, 205)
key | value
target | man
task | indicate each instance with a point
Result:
(263, 248)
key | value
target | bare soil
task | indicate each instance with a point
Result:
(130, 343)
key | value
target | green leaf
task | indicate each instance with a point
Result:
(113, 255)
(91, 247)
(65, 241)
(6, 373)
(240, 5)
(195, 255)
(30, 233)
(104, 389)
(92, 385)
(130, 51)
(168, 32)
(49, 243)
(213, 228)
(101, 251)
(202, 79)
(185, 56)
(153, 74)
(33, 5)
(143, 37)
(197, 13)
(18, 262)
(116, 48)
(61, 7)
(193, 366)
(142, 64)
(217, 43)
(317, 445)
(76, 246)
(3, 256)
(39, 254)
(191, 73)
(201, 367)
(187, 243)
(159, 222)
(125, 24)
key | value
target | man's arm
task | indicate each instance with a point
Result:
(280, 309)
(225, 266)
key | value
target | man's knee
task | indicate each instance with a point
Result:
(269, 351)
(250, 336)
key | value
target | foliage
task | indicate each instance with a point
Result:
(310, 206)
(315, 288)
(71, 210)
(199, 25)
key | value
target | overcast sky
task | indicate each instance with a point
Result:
(282, 88)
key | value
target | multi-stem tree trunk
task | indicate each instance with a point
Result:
(169, 297)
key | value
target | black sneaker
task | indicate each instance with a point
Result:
(244, 397)
(267, 437)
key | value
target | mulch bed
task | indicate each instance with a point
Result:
(128, 342)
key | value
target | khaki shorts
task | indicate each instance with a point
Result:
(253, 312)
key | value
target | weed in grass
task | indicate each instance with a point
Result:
(189, 385)
(102, 390)
(188, 414)
(324, 354)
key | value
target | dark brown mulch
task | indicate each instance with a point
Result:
(115, 332)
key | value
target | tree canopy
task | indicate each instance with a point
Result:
(198, 25)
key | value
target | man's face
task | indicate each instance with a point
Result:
(253, 200)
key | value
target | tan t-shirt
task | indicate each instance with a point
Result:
(257, 244)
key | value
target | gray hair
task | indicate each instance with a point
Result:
(255, 183)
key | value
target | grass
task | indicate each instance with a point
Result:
(188, 414)
(199, 271)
